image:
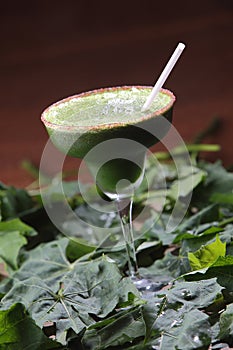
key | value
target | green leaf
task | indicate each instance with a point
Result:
(223, 261)
(77, 248)
(10, 245)
(17, 225)
(156, 232)
(218, 180)
(167, 316)
(207, 214)
(150, 312)
(198, 235)
(169, 266)
(184, 186)
(175, 321)
(47, 261)
(19, 331)
(226, 323)
(227, 234)
(124, 329)
(223, 198)
(192, 332)
(54, 290)
(222, 269)
(13, 202)
(207, 255)
(196, 294)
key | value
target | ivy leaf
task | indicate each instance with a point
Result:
(226, 323)
(47, 261)
(192, 332)
(17, 225)
(167, 316)
(156, 232)
(192, 242)
(122, 330)
(14, 202)
(196, 294)
(218, 180)
(170, 266)
(10, 245)
(227, 234)
(207, 214)
(175, 321)
(150, 312)
(203, 234)
(19, 331)
(223, 198)
(186, 184)
(68, 294)
(207, 255)
(12, 239)
(222, 269)
(78, 248)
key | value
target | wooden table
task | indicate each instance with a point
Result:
(52, 49)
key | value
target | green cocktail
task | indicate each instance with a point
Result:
(108, 129)
(81, 123)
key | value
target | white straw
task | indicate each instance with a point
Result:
(158, 85)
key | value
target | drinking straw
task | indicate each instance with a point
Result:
(159, 83)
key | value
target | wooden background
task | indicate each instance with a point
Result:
(52, 49)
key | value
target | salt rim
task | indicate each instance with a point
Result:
(106, 126)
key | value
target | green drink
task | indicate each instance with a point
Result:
(108, 129)
(82, 123)
(111, 129)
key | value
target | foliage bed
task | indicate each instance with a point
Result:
(69, 292)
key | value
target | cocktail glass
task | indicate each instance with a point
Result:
(107, 128)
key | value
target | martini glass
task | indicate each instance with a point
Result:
(109, 131)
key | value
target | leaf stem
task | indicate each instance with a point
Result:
(225, 222)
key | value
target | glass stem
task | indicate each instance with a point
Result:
(124, 207)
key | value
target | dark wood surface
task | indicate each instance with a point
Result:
(52, 49)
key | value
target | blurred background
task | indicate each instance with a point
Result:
(52, 49)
